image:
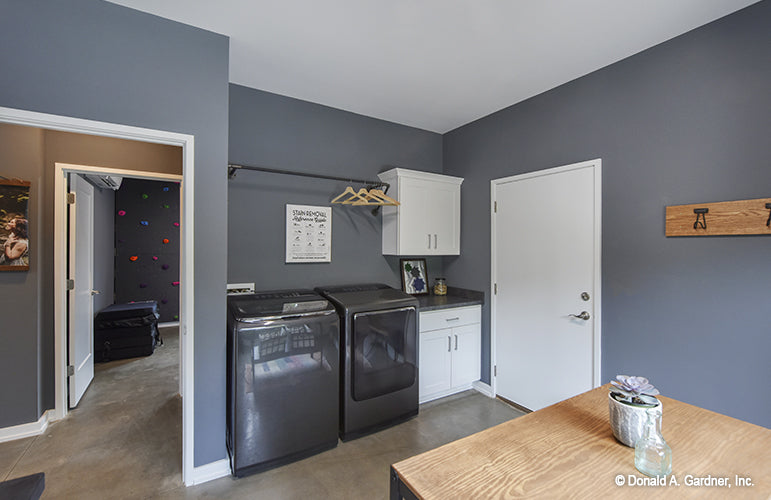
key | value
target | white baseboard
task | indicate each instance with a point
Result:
(211, 471)
(485, 389)
(25, 430)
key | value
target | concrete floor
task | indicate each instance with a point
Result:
(124, 441)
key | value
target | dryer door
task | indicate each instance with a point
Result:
(384, 352)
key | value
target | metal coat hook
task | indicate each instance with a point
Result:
(701, 217)
(768, 222)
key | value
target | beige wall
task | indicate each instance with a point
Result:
(96, 151)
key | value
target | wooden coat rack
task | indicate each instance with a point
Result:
(742, 217)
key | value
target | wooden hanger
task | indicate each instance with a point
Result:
(349, 191)
(379, 199)
(363, 199)
(373, 197)
(387, 200)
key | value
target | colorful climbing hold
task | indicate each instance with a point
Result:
(166, 188)
(165, 266)
(155, 258)
(165, 241)
(144, 223)
(121, 212)
(144, 196)
(175, 283)
(176, 224)
(134, 258)
(164, 301)
(165, 205)
(143, 285)
(176, 316)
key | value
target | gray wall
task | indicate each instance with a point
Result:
(104, 247)
(684, 122)
(21, 156)
(96, 60)
(280, 132)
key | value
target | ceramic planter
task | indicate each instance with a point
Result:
(628, 421)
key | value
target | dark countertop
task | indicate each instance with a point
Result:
(456, 297)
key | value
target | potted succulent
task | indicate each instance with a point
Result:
(629, 400)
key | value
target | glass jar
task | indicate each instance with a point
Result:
(652, 455)
(440, 286)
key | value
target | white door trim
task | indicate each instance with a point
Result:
(68, 124)
(597, 299)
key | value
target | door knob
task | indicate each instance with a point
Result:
(94, 292)
(582, 315)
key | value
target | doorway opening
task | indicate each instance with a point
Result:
(59, 292)
(124, 256)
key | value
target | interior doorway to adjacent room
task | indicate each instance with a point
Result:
(56, 199)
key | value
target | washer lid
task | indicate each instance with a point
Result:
(276, 303)
(381, 298)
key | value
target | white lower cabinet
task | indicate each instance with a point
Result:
(450, 351)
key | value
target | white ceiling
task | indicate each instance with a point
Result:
(431, 64)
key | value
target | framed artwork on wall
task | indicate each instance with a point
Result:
(414, 276)
(14, 225)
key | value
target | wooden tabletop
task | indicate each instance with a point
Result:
(567, 450)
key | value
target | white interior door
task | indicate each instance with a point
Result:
(81, 304)
(546, 249)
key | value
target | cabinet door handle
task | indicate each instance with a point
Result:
(456, 342)
(429, 242)
(434, 242)
(449, 344)
(452, 319)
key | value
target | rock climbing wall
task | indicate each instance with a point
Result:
(147, 244)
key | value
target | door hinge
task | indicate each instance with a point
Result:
(70, 370)
(70, 284)
(495, 209)
(495, 288)
(495, 370)
(71, 198)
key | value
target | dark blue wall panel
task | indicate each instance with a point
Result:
(684, 122)
(96, 60)
(285, 133)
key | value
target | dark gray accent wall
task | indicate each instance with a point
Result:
(96, 60)
(104, 248)
(280, 132)
(683, 122)
(147, 244)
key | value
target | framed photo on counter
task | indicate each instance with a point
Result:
(414, 276)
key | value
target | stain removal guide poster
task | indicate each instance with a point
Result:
(308, 234)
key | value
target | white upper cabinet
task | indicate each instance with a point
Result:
(428, 220)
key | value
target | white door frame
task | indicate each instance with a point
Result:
(186, 319)
(597, 299)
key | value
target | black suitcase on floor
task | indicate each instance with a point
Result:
(126, 331)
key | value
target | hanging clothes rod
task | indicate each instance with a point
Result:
(232, 168)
